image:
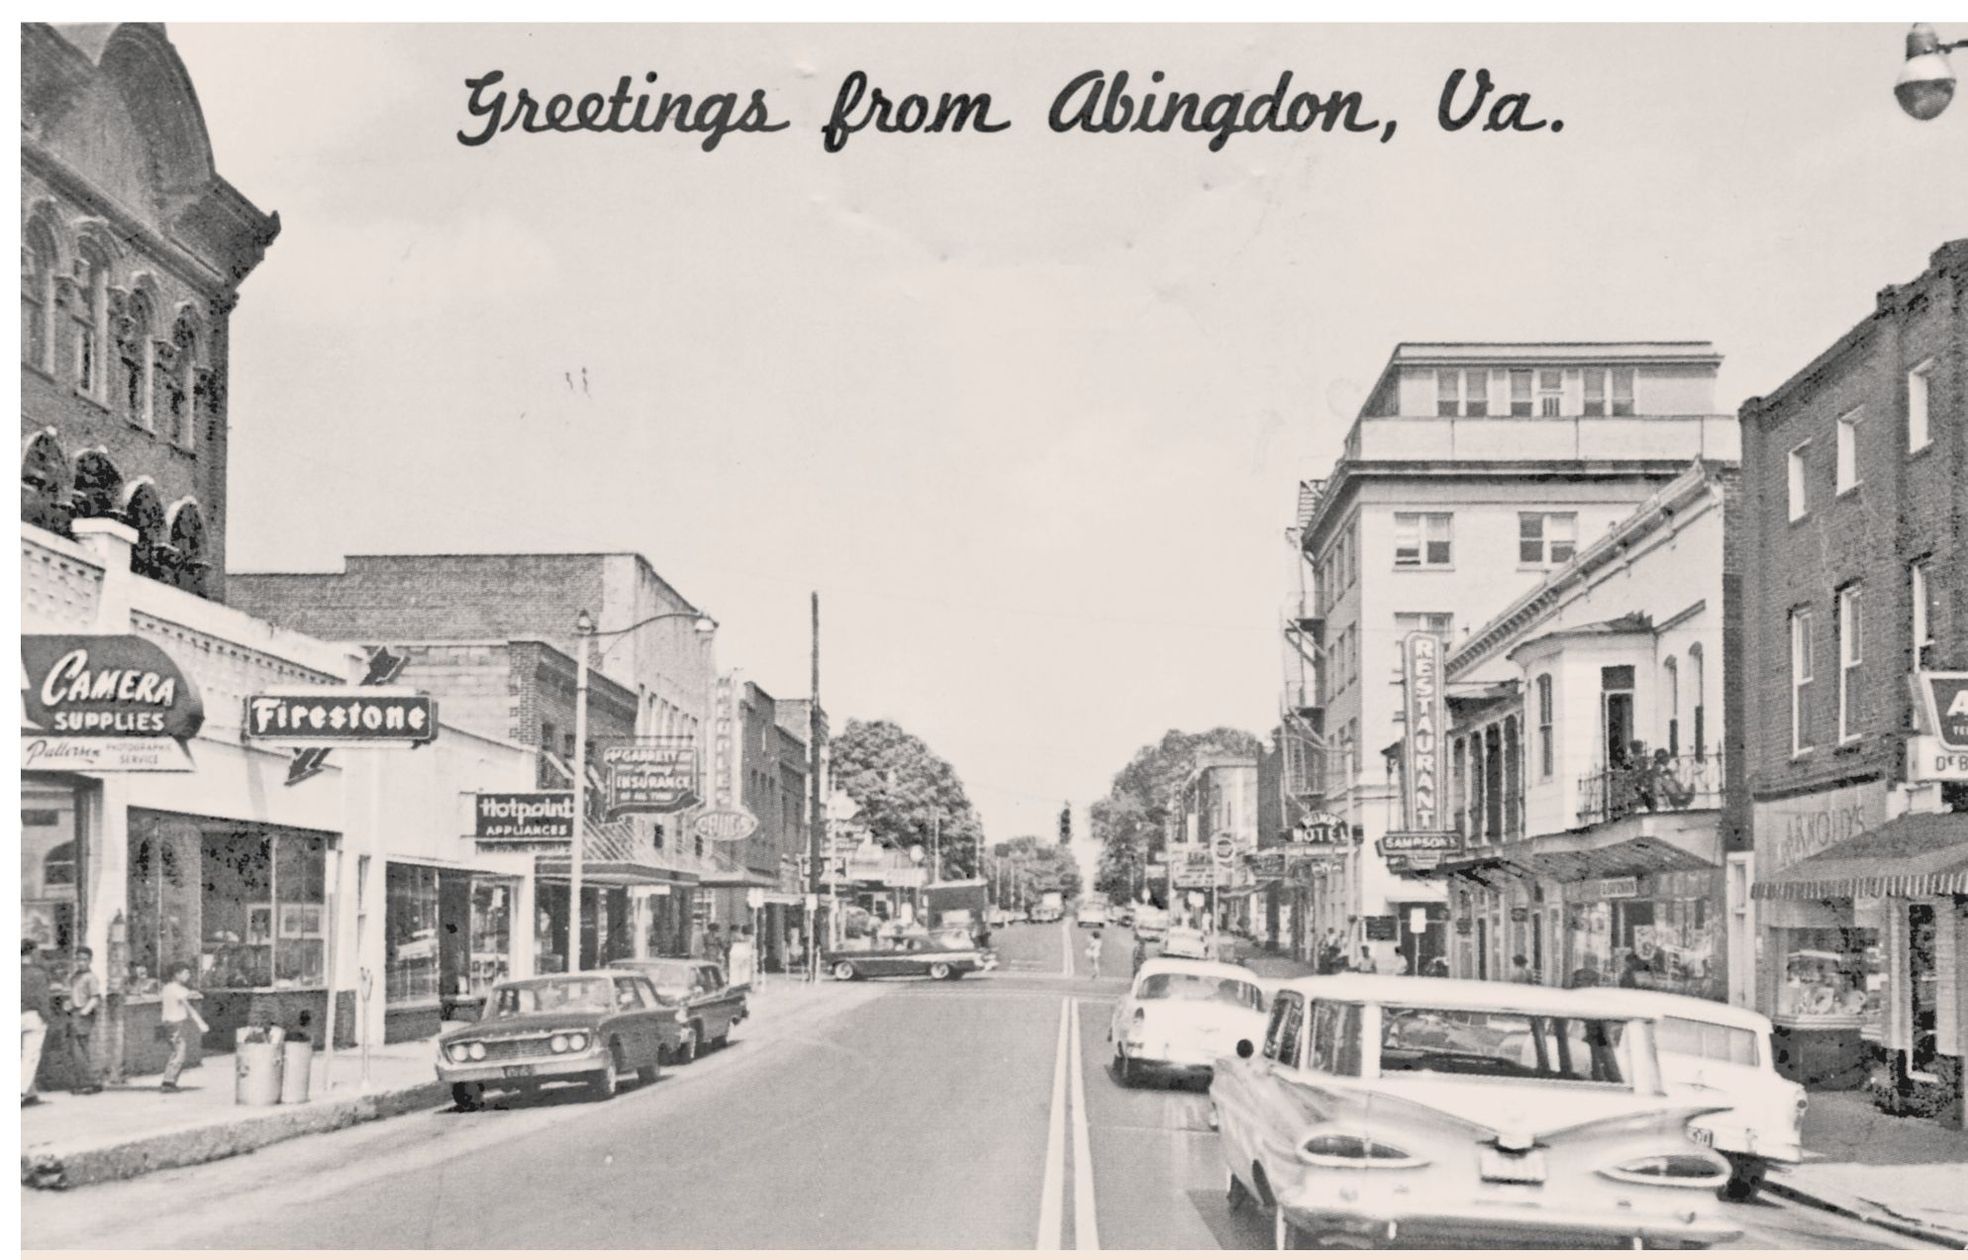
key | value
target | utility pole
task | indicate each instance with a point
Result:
(817, 819)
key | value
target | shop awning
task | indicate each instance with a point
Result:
(1914, 855)
(1635, 855)
(612, 856)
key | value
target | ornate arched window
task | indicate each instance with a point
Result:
(46, 482)
(188, 545)
(85, 297)
(98, 486)
(143, 511)
(184, 378)
(131, 329)
(38, 262)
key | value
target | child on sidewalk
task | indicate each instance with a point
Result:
(178, 1017)
(1093, 953)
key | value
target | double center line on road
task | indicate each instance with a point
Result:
(1068, 1095)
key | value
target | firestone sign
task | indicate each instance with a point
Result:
(105, 703)
(1426, 717)
(342, 716)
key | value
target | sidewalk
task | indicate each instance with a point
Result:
(1897, 1172)
(132, 1129)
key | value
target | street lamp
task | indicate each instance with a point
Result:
(1926, 82)
(584, 631)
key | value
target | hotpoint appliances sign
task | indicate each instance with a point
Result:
(105, 703)
(524, 815)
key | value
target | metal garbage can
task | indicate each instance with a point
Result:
(256, 1070)
(296, 1061)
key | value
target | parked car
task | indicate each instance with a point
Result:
(1421, 1113)
(914, 954)
(1185, 942)
(707, 1006)
(1090, 914)
(1725, 1051)
(591, 1027)
(1180, 1017)
(1151, 923)
(1121, 915)
(1000, 917)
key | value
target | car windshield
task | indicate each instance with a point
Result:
(1182, 986)
(538, 996)
(1502, 1044)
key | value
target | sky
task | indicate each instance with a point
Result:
(1028, 410)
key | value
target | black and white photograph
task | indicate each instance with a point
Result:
(908, 635)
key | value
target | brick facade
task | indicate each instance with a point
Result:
(133, 250)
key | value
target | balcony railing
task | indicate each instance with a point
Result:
(1663, 785)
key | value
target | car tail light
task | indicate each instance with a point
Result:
(1351, 1150)
(558, 1043)
(1140, 1017)
(1696, 1170)
(577, 1041)
(477, 1050)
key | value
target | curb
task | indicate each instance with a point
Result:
(1904, 1226)
(57, 1170)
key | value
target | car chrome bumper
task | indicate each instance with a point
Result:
(1503, 1224)
(558, 1067)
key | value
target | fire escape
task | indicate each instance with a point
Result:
(1302, 728)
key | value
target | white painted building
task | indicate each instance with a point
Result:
(1472, 471)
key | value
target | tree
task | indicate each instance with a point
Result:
(1131, 821)
(1026, 868)
(908, 795)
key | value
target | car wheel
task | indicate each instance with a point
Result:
(1285, 1236)
(686, 1051)
(939, 971)
(843, 971)
(647, 1073)
(1130, 1072)
(1238, 1195)
(1745, 1179)
(468, 1097)
(603, 1085)
(723, 1039)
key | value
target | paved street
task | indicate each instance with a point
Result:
(894, 1114)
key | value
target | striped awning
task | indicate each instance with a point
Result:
(1914, 855)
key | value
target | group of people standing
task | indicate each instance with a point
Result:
(736, 954)
(71, 1019)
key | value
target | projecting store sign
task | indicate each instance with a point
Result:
(727, 826)
(524, 816)
(342, 716)
(105, 703)
(1426, 715)
(651, 778)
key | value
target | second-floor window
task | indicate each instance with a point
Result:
(1696, 665)
(1421, 540)
(1920, 597)
(1546, 537)
(1800, 681)
(1546, 755)
(1851, 655)
(1672, 670)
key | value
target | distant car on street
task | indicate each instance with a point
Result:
(1419, 1113)
(1725, 1053)
(1181, 1016)
(1122, 914)
(1185, 942)
(592, 1027)
(1000, 917)
(1151, 923)
(1091, 914)
(940, 957)
(706, 1005)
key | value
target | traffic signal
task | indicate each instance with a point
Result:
(1065, 825)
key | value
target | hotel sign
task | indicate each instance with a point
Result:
(342, 716)
(1426, 719)
(524, 815)
(651, 778)
(105, 703)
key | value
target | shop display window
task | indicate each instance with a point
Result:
(1829, 977)
(491, 933)
(411, 963)
(164, 899)
(263, 914)
(51, 861)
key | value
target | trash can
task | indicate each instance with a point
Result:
(256, 1069)
(296, 1060)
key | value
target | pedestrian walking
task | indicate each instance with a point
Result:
(741, 960)
(178, 1018)
(84, 1001)
(37, 1005)
(1093, 953)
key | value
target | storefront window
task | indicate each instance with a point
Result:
(263, 916)
(51, 860)
(410, 965)
(1830, 977)
(164, 898)
(491, 933)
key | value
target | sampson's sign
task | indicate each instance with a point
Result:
(1422, 653)
(105, 704)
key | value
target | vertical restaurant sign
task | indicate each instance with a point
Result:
(1426, 717)
(726, 736)
(107, 703)
(651, 778)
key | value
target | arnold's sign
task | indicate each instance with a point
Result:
(524, 815)
(1426, 717)
(651, 778)
(105, 704)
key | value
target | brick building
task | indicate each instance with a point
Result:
(133, 248)
(1856, 472)
(760, 766)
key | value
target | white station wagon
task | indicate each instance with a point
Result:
(1181, 1016)
(1410, 1112)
